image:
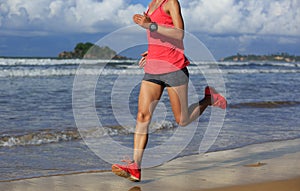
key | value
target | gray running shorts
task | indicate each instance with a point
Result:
(171, 79)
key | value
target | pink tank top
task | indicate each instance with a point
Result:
(165, 54)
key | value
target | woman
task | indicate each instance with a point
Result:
(165, 67)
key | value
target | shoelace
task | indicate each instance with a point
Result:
(127, 160)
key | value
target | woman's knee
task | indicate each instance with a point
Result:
(143, 116)
(142, 123)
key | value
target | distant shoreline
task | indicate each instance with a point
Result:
(281, 57)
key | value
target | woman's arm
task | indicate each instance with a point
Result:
(172, 8)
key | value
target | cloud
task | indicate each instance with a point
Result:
(259, 17)
(284, 40)
(68, 16)
(220, 17)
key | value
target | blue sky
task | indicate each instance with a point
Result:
(47, 27)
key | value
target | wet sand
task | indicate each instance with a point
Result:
(269, 166)
(281, 185)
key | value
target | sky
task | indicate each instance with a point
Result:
(226, 27)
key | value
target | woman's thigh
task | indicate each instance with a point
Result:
(178, 96)
(149, 96)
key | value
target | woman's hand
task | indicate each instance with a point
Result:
(142, 61)
(142, 20)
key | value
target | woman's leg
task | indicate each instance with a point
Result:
(183, 114)
(149, 96)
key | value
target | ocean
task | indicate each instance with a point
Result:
(39, 134)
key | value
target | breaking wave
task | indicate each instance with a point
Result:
(55, 67)
(51, 136)
(39, 72)
(55, 62)
(38, 138)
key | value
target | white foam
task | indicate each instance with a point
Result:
(254, 71)
(46, 137)
(55, 67)
(284, 64)
(71, 72)
(49, 62)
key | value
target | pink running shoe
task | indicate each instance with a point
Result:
(129, 171)
(217, 99)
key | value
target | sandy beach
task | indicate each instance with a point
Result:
(269, 166)
(281, 185)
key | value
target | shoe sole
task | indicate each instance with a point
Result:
(122, 173)
(133, 179)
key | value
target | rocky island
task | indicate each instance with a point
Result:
(91, 51)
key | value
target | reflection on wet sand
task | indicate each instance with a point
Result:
(136, 188)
